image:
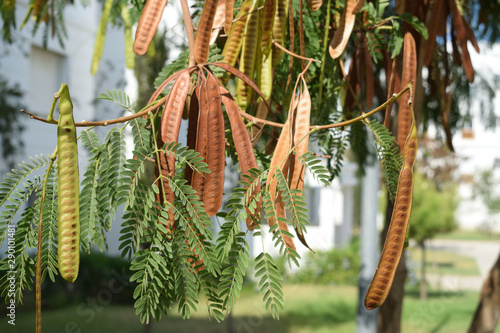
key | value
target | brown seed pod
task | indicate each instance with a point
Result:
(409, 74)
(202, 40)
(198, 179)
(148, 23)
(394, 243)
(169, 131)
(460, 27)
(243, 146)
(214, 181)
(437, 25)
(343, 32)
(219, 19)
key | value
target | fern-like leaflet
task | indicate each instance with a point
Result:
(388, 155)
(270, 283)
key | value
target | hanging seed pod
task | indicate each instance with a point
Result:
(244, 149)
(343, 32)
(202, 40)
(234, 41)
(148, 23)
(409, 74)
(394, 243)
(68, 188)
(214, 182)
(169, 132)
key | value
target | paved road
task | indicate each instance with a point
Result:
(484, 252)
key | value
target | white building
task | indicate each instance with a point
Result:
(478, 149)
(39, 73)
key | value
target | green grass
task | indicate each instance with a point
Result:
(469, 235)
(308, 309)
(444, 262)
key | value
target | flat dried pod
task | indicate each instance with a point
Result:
(459, 26)
(234, 41)
(436, 25)
(396, 234)
(148, 23)
(343, 32)
(214, 182)
(244, 149)
(315, 4)
(202, 40)
(169, 132)
(300, 138)
(300, 141)
(408, 75)
(280, 161)
(219, 19)
(198, 179)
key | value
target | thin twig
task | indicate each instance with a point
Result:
(341, 124)
(104, 122)
(293, 54)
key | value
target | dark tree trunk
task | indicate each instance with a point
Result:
(389, 315)
(488, 310)
(423, 282)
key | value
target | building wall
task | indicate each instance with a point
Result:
(478, 148)
(39, 72)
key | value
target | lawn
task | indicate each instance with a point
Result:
(308, 309)
(444, 262)
(469, 235)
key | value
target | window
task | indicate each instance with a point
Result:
(46, 75)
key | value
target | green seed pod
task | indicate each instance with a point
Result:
(68, 189)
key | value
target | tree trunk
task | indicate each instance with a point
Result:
(423, 282)
(389, 315)
(488, 310)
